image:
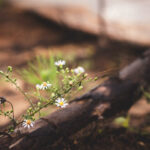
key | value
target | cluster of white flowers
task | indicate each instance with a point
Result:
(60, 63)
(79, 70)
(60, 102)
(43, 86)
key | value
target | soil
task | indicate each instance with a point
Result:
(25, 35)
(114, 139)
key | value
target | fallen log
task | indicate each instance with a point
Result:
(114, 96)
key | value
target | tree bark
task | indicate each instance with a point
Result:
(108, 99)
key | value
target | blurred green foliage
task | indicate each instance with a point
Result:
(41, 69)
(122, 121)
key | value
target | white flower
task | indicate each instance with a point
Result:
(60, 63)
(61, 102)
(38, 86)
(27, 124)
(79, 70)
(43, 86)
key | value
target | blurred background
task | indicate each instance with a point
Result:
(100, 35)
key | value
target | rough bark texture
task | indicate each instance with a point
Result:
(106, 100)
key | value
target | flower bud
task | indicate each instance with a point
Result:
(96, 78)
(1, 72)
(63, 71)
(53, 95)
(70, 82)
(72, 70)
(9, 69)
(67, 70)
(85, 75)
(39, 104)
(69, 77)
(30, 108)
(80, 87)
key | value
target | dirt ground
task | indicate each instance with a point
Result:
(25, 35)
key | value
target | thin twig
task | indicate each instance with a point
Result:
(13, 115)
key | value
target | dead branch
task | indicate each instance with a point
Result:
(114, 96)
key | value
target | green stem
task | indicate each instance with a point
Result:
(13, 116)
(50, 102)
(36, 111)
(19, 89)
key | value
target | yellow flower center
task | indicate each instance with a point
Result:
(61, 103)
(28, 122)
(44, 84)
